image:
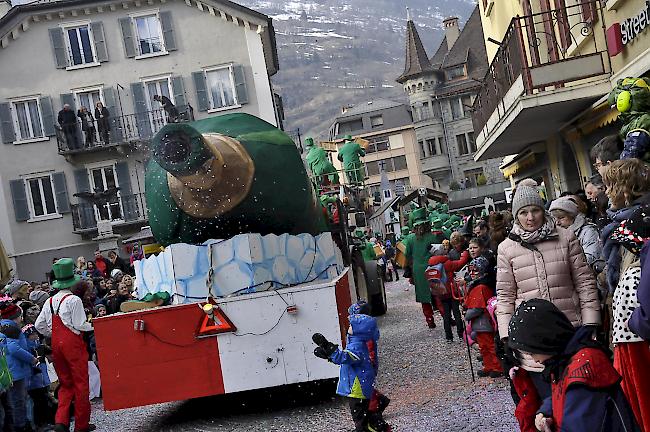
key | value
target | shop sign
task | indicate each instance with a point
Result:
(619, 35)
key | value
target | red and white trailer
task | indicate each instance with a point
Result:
(258, 340)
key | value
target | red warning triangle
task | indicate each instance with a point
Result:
(219, 323)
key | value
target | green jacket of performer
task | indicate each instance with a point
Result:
(418, 254)
(350, 154)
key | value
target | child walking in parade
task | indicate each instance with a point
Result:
(586, 393)
(476, 303)
(359, 365)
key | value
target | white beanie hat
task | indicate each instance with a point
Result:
(565, 204)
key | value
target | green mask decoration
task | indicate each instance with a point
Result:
(631, 97)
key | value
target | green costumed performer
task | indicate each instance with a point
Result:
(222, 176)
(320, 165)
(350, 154)
(368, 249)
(631, 97)
(418, 252)
(436, 230)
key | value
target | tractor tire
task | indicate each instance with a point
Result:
(359, 274)
(376, 289)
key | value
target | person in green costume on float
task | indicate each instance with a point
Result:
(320, 165)
(368, 249)
(418, 252)
(350, 154)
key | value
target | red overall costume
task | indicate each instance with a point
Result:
(477, 298)
(71, 364)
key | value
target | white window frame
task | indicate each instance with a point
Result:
(30, 200)
(14, 118)
(91, 182)
(68, 50)
(228, 66)
(141, 14)
(76, 92)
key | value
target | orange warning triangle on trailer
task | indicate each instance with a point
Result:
(218, 323)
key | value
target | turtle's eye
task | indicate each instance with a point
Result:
(175, 147)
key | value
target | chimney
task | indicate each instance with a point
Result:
(451, 31)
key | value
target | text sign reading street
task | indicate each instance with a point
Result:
(632, 27)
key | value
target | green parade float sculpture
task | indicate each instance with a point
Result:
(368, 249)
(319, 164)
(350, 154)
(631, 97)
(222, 176)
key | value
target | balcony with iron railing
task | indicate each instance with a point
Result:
(115, 131)
(122, 211)
(549, 67)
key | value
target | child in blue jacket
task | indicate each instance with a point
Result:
(359, 364)
(39, 381)
(20, 362)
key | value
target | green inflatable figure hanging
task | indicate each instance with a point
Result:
(350, 154)
(222, 176)
(631, 97)
(320, 165)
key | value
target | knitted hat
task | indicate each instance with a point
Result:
(29, 330)
(39, 297)
(565, 204)
(15, 285)
(539, 327)
(480, 264)
(634, 232)
(11, 311)
(360, 307)
(526, 196)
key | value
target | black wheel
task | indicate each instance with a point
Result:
(359, 273)
(376, 289)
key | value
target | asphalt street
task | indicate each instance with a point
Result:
(427, 378)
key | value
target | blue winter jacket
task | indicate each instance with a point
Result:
(357, 374)
(37, 380)
(19, 358)
(640, 319)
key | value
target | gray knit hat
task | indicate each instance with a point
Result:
(565, 204)
(526, 196)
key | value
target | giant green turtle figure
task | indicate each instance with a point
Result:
(222, 176)
(350, 154)
(631, 97)
(320, 165)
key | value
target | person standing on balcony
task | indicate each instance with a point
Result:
(68, 122)
(169, 107)
(87, 125)
(102, 115)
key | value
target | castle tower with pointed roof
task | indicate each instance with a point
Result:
(441, 91)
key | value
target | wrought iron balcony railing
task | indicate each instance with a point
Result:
(549, 50)
(120, 210)
(97, 134)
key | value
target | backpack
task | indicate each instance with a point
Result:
(437, 272)
(5, 376)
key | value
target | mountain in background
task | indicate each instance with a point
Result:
(335, 53)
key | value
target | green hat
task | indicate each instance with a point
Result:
(358, 233)
(406, 230)
(64, 274)
(348, 138)
(309, 142)
(419, 216)
(437, 223)
(444, 217)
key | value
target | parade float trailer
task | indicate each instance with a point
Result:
(240, 311)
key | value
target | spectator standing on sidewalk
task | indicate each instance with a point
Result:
(540, 260)
(64, 319)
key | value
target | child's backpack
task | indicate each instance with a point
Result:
(491, 308)
(437, 273)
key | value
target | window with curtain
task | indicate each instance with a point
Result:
(149, 34)
(80, 45)
(221, 87)
(27, 119)
(41, 196)
(456, 109)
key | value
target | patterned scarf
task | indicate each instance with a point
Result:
(540, 234)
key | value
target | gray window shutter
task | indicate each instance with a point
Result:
(6, 124)
(179, 92)
(82, 181)
(68, 98)
(97, 29)
(240, 84)
(201, 91)
(127, 36)
(168, 31)
(129, 203)
(140, 109)
(58, 47)
(61, 192)
(19, 197)
(115, 119)
(48, 115)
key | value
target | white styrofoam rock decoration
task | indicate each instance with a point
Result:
(243, 264)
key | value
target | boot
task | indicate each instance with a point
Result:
(91, 427)
(59, 427)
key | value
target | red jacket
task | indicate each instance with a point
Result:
(529, 401)
(101, 265)
(450, 266)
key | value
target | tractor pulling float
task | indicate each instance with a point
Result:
(250, 270)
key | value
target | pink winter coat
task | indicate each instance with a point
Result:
(557, 271)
